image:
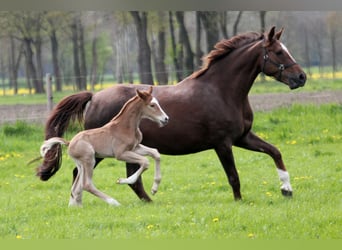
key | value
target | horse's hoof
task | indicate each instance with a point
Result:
(119, 181)
(286, 193)
(154, 192)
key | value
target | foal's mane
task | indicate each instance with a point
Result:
(123, 109)
(224, 47)
(125, 106)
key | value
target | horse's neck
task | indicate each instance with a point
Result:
(238, 70)
(130, 117)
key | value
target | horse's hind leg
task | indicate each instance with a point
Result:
(253, 142)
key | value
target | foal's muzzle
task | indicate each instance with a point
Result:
(164, 121)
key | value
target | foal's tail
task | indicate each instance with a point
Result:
(71, 108)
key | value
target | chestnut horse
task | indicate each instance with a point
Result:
(119, 138)
(208, 110)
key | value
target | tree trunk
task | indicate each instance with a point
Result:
(236, 23)
(262, 21)
(333, 52)
(83, 65)
(223, 24)
(262, 29)
(77, 70)
(184, 40)
(31, 69)
(209, 20)
(14, 64)
(38, 46)
(199, 52)
(55, 63)
(174, 49)
(144, 54)
(159, 52)
(94, 64)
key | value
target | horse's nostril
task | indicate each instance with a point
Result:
(302, 77)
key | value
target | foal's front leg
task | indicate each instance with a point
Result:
(136, 156)
(144, 150)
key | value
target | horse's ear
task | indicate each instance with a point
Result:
(150, 90)
(271, 34)
(278, 34)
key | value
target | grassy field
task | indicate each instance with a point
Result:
(194, 200)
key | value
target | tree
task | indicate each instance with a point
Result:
(186, 56)
(28, 25)
(144, 51)
(159, 51)
(55, 21)
(77, 37)
(262, 15)
(176, 62)
(209, 20)
(334, 22)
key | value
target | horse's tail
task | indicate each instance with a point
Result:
(71, 108)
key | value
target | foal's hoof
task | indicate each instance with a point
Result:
(120, 181)
(286, 193)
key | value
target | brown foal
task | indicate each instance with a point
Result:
(119, 138)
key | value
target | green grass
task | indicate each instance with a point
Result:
(194, 200)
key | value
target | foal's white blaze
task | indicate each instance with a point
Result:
(285, 179)
(287, 51)
(163, 117)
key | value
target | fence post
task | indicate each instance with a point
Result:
(49, 92)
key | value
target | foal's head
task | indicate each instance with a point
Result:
(152, 110)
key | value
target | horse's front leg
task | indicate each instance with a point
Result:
(225, 154)
(144, 150)
(252, 142)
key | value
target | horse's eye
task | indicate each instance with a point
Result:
(152, 105)
(279, 53)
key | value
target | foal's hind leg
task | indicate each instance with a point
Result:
(253, 142)
(88, 167)
(76, 189)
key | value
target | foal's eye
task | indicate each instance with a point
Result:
(152, 105)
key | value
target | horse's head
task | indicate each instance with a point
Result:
(278, 62)
(152, 109)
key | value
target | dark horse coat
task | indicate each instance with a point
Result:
(208, 110)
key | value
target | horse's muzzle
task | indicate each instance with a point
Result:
(297, 81)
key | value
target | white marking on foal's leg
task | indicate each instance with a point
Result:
(113, 202)
(285, 179)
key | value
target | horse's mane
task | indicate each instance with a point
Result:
(224, 47)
